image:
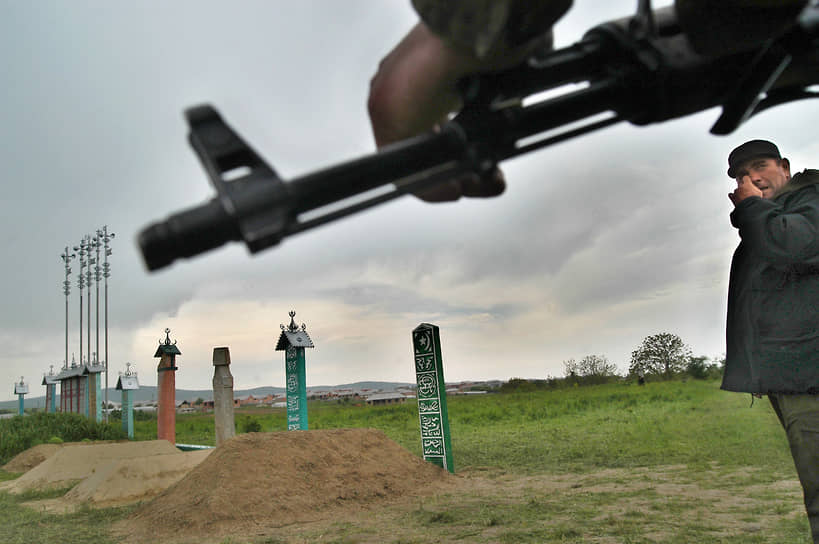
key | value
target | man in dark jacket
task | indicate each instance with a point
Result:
(773, 300)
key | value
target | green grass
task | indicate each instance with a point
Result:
(616, 426)
(23, 525)
(565, 430)
(618, 449)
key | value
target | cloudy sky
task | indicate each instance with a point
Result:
(596, 244)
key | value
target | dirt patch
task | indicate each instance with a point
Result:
(27, 460)
(77, 461)
(256, 482)
(125, 481)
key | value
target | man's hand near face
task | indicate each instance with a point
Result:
(745, 188)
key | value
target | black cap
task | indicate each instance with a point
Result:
(751, 150)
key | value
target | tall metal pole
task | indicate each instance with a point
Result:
(90, 245)
(97, 277)
(66, 256)
(81, 285)
(106, 273)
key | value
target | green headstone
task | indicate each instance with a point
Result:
(126, 383)
(432, 411)
(50, 381)
(98, 387)
(86, 389)
(128, 414)
(20, 389)
(296, 389)
(292, 341)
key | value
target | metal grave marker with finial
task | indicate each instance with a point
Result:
(126, 383)
(50, 381)
(166, 386)
(20, 389)
(432, 412)
(72, 388)
(292, 341)
(93, 372)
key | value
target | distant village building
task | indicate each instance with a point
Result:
(185, 407)
(145, 407)
(249, 400)
(386, 398)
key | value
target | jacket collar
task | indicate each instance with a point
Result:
(802, 179)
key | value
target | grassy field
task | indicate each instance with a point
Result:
(667, 462)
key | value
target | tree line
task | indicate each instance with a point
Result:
(659, 357)
(662, 356)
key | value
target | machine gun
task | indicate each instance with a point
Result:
(641, 69)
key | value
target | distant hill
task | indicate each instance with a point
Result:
(148, 392)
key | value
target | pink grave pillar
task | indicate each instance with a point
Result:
(166, 389)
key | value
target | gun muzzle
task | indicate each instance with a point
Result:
(186, 234)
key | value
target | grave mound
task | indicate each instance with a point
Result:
(30, 458)
(256, 482)
(73, 462)
(125, 481)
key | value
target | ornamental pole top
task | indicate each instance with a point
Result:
(50, 378)
(127, 380)
(20, 388)
(167, 337)
(293, 327)
(167, 346)
(293, 335)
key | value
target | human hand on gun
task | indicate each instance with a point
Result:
(415, 87)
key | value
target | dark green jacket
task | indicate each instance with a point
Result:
(773, 296)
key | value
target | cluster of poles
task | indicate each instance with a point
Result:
(93, 270)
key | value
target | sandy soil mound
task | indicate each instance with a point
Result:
(73, 462)
(26, 460)
(127, 481)
(259, 481)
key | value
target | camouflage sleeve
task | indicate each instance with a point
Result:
(490, 27)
